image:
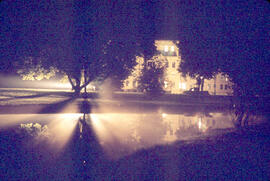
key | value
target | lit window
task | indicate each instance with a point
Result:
(127, 82)
(184, 86)
(166, 48)
(165, 84)
(209, 86)
(172, 48)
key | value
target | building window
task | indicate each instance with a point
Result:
(173, 65)
(166, 48)
(172, 48)
(167, 52)
(127, 82)
(226, 87)
(209, 86)
(165, 84)
(221, 86)
(184, 86)
(167, 64)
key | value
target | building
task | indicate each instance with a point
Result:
(174, 82)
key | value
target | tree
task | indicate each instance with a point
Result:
(198, 41)
(82, 40)
(199, 69)
(151, 76)
(231, 38)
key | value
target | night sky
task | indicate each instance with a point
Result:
(212, 30)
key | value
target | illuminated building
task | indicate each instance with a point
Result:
(174, 82)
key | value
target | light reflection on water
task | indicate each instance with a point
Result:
(55, 128)
(126, 133)
(122, 134)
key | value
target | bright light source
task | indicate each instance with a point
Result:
(184, 86)
(165, 84)
(63, 85)
(172, 48)
(200, 123)
(166, 48)
(164, 115)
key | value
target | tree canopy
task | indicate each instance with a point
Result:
(97, 39)
(229, 37)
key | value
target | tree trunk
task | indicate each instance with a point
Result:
(77, 90)
(198, 83)
(202, 84)
(85, 77)
(77, 87)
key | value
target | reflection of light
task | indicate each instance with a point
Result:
(94, 118)
(200, 123)
(170, 136)
(11, 120)
(98, 126)
(164, 115)
(62, 127)
(202, 126)
(117, 132)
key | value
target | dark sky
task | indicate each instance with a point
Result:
(245, 22)
(173, 19)
(213, 18)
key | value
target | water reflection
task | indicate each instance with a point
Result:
(121, 134)
(55, 130)
(72, 146)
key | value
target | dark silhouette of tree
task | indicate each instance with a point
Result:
(198, 41)
(231, 38)
(82, 40)
(151, 77)
(199, 69)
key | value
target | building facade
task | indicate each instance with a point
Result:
(174, 81)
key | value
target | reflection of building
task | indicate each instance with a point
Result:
(174, 82)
